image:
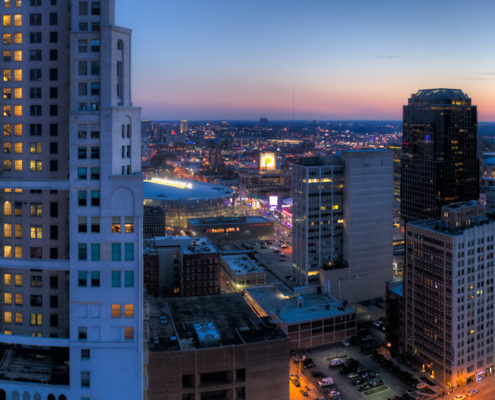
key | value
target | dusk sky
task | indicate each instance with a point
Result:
(352, 59)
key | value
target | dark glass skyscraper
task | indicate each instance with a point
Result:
(439, 161)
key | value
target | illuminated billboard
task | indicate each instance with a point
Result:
(268, 161)
(273, 201)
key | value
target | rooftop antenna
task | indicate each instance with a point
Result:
(293, 105)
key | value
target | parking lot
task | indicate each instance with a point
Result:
(359, 376)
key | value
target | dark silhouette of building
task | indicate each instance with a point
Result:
(439, 163)
(153, 222)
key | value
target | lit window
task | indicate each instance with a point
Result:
(36, 319)
(7, 230)
(7, 165)
(35, 147)
(129, 310)
(18, 165)
(36, 209)
(115, 310)
(18, 129)
(18, 148)
(18, 55)
(7, 111)
(129, 333)
(6, 3)
(36, 232)
(129, 224)
(7, 298)
(18, 3)
(18, 299)
(7, 93)
(7, 251)
(7, 332)
(18, 318)
(18, 93)
(7, 279)
(18, 251)
(7, 20)
(18, 279)
(7, 208)
(35, 165)
(116, 224)
(7, 317)
(7, 148)
(18, 231)
(7, 129)
(18, 38)
(18, 111)
(18, 75)
(7, 38)
(18, 208)
(17, 19)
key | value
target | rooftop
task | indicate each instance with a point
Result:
(181, 190)
(397, 288)
(197, 246)
(291, 308)
(242, 264)
(440, 96)
(189, 323)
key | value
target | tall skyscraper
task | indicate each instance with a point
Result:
(71, 204)
(448, 293)
(342, 223)
(439, 159)
(317, 186)
(184, 126)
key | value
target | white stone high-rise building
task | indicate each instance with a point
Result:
(71, 205)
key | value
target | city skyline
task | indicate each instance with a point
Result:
(196, 60)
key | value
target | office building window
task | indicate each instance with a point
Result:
(82, 278)
(129, 278)
(116, 278)
(116, 311)
(129, 310)
(82, 251)
(95, 278)
(95, 251)
(129, 251)
(129, 333)
(116, 252)
(85, 379)
(82, 333)
(129, 224)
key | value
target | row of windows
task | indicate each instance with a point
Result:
(35, 280)
(94, 152)
(84, 8)
(36, 300)
(34, 147)
(35, 209)
(82, 251)
(36, 319)
(35, 74)
(82, 333)
(128, 310)
(35, 231)
(34, 130)
(34, 252)
(35, 19)
(34, 166)
(35, 110)
(82, 198)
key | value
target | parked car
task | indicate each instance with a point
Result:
(336, 362)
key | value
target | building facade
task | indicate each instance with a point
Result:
(439, 153)
(448, 294)
(317, 216)
(71, 203)
(214, 347)
(153, 222)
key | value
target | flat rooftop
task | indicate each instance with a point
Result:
(291, 308)
(34, 364)
(241, 265)
(397, 288)
(197, 246)
(437, 226)
(227, 221)
(189, 323)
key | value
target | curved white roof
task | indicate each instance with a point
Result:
(182, 190)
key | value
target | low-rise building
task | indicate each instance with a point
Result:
(213, 347)
(225, 228)
(309, 319)
(239, 271)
